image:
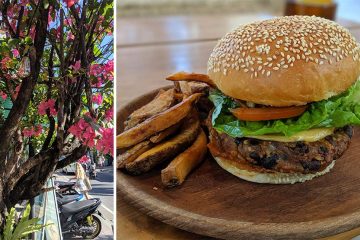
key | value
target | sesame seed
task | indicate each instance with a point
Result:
(305, 38)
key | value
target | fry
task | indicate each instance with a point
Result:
(168, 149)
(175, 173)
(156, 123)
(191, 77)
(163, 101)
(179, 96)
(131, 154)
(164, 134)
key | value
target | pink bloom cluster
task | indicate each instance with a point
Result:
(24, 2)
(84, 159)
(102, 72)
(109, 114)
(76, 66)
(47, 105)
(3, 95)
(83, 131)
(32, 131)
(5, 62)
(70, 3)
(15, 53)
(97, 98)
(106, 143)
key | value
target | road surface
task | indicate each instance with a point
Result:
(103, 188)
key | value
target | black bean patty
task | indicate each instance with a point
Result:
(270, 156)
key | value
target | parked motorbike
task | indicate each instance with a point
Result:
(81, 218)
(65, 199)
(66, 188)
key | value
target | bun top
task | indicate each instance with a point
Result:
(285, 61)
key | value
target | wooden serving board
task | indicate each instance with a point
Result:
(213, 202)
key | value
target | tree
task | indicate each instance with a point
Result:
(56, 89)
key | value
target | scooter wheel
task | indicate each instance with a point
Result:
(97, 225)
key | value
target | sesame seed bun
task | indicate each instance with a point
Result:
(271, 178)
(285, 61)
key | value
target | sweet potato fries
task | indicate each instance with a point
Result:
(166, 131)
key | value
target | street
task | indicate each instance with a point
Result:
(103, 188)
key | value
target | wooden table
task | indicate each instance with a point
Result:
(149, 49)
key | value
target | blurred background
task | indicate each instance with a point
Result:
(132, 8)
(156, 38)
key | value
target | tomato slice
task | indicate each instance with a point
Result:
(267, 113)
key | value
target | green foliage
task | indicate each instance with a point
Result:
(23, 228)
(337, 111)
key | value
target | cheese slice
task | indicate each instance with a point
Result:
(311, 135)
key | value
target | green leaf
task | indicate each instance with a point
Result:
(23, 228)
(9, 225)
(337, 111)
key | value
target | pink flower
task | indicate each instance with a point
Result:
(32, 131)
(68, 21)
(109, 66)
(84, 159)
(38, 130)
(42, 108)
(75, 130)
(70, 36)
(3, 95)
(98, 99)
(106, 143)
(109, 114)
(24, 2)
(95, 69)
(47, 105)
(84, 131)
(89, 136)
(70, 3)
(50, 18)
(15, 53)
(28, 132)
(83, 124)
(76, 66)
(5, 62)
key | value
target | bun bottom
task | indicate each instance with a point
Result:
(271, 178)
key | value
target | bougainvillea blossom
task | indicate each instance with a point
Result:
(84, 159)
(70, 3)
(15, 53)
(3, 95)
(47, 105)
(97, 98)
(106, 143)
(33, 131)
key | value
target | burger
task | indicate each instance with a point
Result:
(287, 94)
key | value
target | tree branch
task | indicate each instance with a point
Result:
(16, 113)
(29, 164)
(76, 155)
(51, 118)
(21, 13)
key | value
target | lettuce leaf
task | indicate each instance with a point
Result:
(337, 111)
